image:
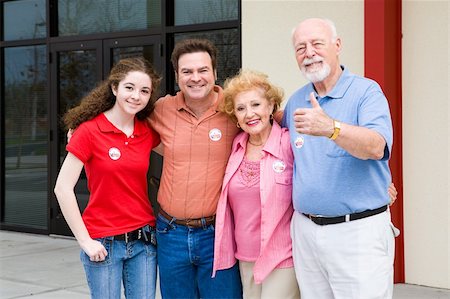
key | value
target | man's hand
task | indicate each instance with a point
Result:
(313, 121)
(392, 191)
(69, 135)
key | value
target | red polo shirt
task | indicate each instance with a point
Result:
(116, 168)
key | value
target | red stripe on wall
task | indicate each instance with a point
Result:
(383, 63)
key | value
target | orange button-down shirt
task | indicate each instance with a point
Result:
(196, 152)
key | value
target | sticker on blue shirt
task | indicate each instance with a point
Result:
(114, 153)
(278, 166)
(299, 141)
(215, 134)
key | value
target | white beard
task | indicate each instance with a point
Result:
(319, 75)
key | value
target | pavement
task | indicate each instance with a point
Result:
(48, 267)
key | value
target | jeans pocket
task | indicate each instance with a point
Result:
(163, 226)
(108, 244)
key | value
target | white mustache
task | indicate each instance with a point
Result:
(308, 61)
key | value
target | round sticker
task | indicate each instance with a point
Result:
(114, 153)
(278, 166)
(215, 134)
(299, 142)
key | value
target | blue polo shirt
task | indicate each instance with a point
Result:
(327, 180)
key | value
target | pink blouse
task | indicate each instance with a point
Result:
(275, 190)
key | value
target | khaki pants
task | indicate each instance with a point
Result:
(280, 284)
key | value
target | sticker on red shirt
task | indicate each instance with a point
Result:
(215, 134)
(114, 153)
(299, 142)
(278, 166)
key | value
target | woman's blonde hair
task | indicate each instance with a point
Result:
(247, 80)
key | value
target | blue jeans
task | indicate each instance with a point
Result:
(185, 261)
(133, 263)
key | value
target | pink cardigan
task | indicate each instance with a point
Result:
(276, 206)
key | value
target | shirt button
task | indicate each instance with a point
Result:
(126, 142)
(132, 136)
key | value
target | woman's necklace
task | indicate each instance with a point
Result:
(254, 143)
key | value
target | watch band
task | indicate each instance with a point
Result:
(337, 129)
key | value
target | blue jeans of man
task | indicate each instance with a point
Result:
(185, 261)
(132, 263)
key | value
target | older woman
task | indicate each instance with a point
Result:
(255, 206)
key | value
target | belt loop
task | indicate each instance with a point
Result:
(347, 218)
(203, 220)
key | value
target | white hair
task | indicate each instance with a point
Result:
(328, 22)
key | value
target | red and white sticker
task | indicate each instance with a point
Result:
(215, 134)
(114, 153)
(298, 143)
(278, 166)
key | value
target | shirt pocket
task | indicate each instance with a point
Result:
(283, 179)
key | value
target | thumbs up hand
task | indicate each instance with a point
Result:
(313, 121)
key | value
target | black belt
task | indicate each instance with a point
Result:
(191, 222)
(320, 220)
(138, 234)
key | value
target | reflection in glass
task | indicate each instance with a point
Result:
(227, 43)
(26, 127)
(24, 19)
(77, 76)
(143, 51)
(96, 16)
(196, 12)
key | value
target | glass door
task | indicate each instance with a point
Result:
(75, 69)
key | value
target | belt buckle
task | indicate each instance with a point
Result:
(126, 237)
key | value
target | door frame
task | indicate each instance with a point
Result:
(103, 48)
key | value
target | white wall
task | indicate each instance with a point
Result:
(266, 36)
(266, 46)
(425, 142)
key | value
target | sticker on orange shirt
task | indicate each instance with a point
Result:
(215, 135)
(278, 166)
(114, 153)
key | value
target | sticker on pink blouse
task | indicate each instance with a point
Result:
(278, 166)
(114, 153)
(215, 134)
(299, 142)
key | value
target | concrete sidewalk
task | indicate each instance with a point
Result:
(43, 267)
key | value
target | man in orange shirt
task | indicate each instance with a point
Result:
(196, 139)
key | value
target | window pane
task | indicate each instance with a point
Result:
(206, 11)
(227, 43)
(77, 76)
(96, 16)
(26, 127)
(25, 19)
(140, 51)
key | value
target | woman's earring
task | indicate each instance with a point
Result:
(271, 116)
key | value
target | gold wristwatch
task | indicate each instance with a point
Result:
(337, 129)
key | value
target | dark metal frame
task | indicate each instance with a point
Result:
(165, 35)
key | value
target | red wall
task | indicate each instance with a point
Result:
(383, 63)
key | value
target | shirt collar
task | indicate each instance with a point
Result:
(341, 86)
(181, 103)
(106, 126)
(272, 145)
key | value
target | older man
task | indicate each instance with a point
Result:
(341, 135)
(197, 141)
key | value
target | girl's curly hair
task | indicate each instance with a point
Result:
(101, 98)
